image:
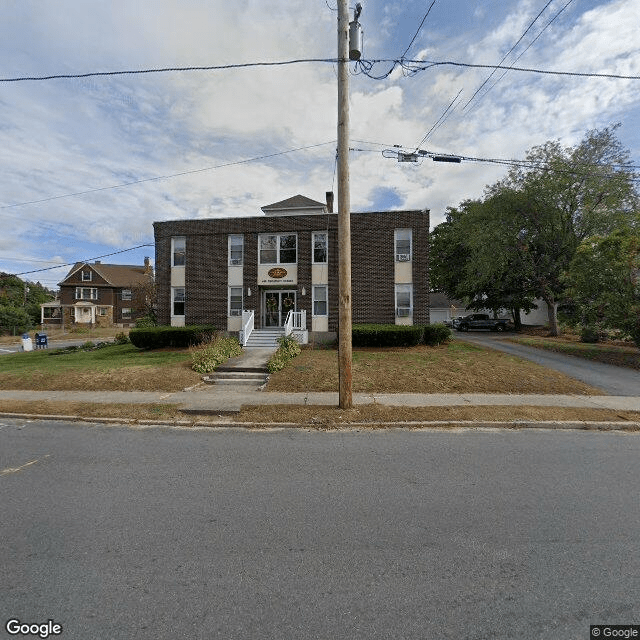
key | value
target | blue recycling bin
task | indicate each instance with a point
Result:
(42, 341)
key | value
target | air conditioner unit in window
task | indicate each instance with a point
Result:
(235, 261)
(403, 257)
(403, 313)
(235, 312)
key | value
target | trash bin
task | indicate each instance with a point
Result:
(41, 341)
(27, 344)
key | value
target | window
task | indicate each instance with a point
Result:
(403, 245)
(126, 294)
(126, 313)
(235, 301)
(320, 241)
(320, 301)
(178, 301)
(236, 245)
(102, 311)
(86, 276)
(83, 293)
(178, 251)
(404, 300)
(278, 249)
(50, 313)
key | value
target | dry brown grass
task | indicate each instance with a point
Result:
(612, 352)
(170, 377)
(454, 368)
(159, 412)
(322, 415)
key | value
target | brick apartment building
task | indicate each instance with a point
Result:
(98, 294)
(211, 270)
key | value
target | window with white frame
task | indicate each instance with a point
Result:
(235, 301)
(236, 249)
(87, 276)
(278, 249)
(126, 313)
(177, 301)
(126, 294)
(85, 293)
(403, 245)
(178, 251)
(404, 300)
(319, 240)
(102, 311)
(320, 306)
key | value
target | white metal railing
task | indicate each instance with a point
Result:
(296, 321)
(247, 327)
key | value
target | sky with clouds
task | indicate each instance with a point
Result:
(68, 136)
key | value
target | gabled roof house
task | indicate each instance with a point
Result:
(93, 293)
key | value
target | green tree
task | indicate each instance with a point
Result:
(569, 194)
(604, 281)
(14, 320)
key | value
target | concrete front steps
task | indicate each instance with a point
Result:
(247, 377)
(264, 338)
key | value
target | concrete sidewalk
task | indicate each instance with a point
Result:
(227, 398)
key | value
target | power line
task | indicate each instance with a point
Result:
(504, 73)
(426, 15)
(165, 177)
(70, 264)
(411, 67)
(507, 54)
(439, 121)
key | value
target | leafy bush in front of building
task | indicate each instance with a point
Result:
(146, 321)
(209, 355)
(386, 335)
(289, 348)
(14, 320)
(121, 338)
(435, 334)
(181, 337)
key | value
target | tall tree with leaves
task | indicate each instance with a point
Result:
(566, 194)
(604, 281)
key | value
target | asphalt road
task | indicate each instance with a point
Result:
(617, 381)
(119, 533)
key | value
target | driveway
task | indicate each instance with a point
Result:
(617, 381)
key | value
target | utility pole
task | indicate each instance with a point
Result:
(344, 214)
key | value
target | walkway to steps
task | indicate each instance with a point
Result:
(248, 370)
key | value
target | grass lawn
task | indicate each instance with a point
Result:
(112, 368)
(622, 356)
(453, 368)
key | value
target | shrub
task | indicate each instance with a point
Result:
(386, 335)
(205, 358)
(589, 334)
(146, 321)
(435, 334)
(159, 337)
(121, 338)
(288, 350)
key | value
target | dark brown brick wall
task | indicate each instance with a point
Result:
(372, 239)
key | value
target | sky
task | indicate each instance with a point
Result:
(218, 143)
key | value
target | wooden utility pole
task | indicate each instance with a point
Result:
(344, 214)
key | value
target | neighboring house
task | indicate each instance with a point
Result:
(444, 309)
(232, 271)
(100, 294)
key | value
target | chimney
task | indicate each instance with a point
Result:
(97, 262)
(329, 196)
(147, 265)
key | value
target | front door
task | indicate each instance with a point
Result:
(276, 306)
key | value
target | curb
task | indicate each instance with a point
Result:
(513, 425)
